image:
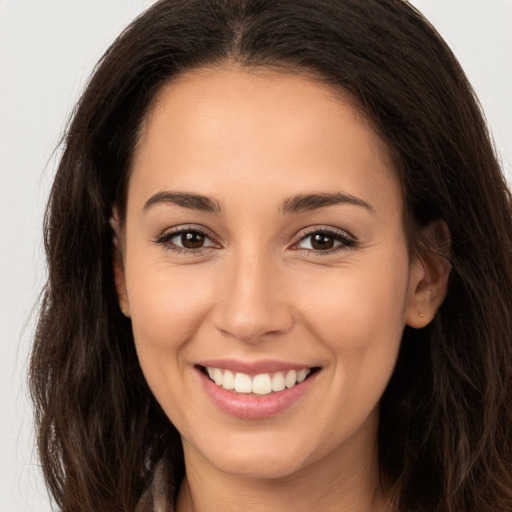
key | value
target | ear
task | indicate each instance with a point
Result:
(118, 264)
(429, 273)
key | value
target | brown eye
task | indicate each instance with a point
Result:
(192, 239)
(326, 241)
(322, 241)
(183, 240)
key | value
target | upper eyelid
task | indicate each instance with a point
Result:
(299, 236)
(173, 231)
(164, 240)
(348, 241)
(304, 232)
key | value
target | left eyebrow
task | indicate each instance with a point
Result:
(185, 200)
(310, 202)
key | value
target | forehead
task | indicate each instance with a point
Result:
(211, 127)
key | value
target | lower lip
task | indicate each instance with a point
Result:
(255, 407)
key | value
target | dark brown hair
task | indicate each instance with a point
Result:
(446, 417)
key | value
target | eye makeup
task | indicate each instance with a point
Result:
(193, 239)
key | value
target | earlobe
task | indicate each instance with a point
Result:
(118, 265)
(428, 281)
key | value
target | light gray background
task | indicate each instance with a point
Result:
(47, 50)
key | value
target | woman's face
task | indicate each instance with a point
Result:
(264, 245)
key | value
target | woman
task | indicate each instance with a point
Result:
(280, 260)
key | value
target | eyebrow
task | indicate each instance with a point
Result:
(185, 200)
(296, 204)
(310, 202)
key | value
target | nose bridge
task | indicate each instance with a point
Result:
(251, 303)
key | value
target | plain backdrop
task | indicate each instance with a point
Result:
(47, 51)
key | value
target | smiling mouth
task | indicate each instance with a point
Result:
(260, 384)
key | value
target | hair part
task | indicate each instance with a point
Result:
(444, 439)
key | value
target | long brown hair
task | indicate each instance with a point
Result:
(446, 417)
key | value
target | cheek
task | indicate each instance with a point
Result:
(360, 321)
(166, 304)
(357, 304)
(167, 308)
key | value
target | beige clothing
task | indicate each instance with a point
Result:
(159, 495)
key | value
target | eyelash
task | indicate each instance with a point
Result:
(345, 240)
(165, 240)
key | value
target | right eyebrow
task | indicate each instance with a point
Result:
(185, 200)
(311, 202)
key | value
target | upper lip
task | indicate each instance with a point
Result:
(253, 367)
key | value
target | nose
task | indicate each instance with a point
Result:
(251, 304)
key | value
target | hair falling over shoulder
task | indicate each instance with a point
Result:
(445, 439)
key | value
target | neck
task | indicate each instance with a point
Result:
(342, 481)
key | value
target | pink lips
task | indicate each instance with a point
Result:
(250, 406)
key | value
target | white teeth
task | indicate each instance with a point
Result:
(302, 374)
(243, 383)
(291, 379)
(278, 382)
(217, 376)
(261, 384)
(229, 380)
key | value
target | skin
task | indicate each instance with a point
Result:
(249, 140)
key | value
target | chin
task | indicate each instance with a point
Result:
(257, 459)
(260, 468)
